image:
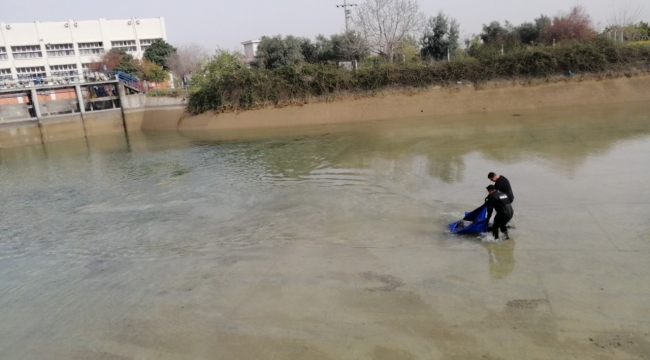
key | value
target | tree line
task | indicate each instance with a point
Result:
(398, 47)
(158, 61)
(385, 31)
(227, 83)
(397, 31)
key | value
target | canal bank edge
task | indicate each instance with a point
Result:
(428, 103)
(155, 114)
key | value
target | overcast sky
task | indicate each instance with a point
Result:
(225, 24)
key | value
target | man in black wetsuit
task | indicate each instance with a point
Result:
(502, 184)
(496, 200)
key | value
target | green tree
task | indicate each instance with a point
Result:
(645, 28)
(128, 65)
(527, 33)
(542, 23)
(342, 47)
(158, 52)
(408, 50)
(275, 52)
(493, 32)
(507, 38)
(309, 50)
(326, 49)
(531, 33)
(440, 37)
(637, 32)
(222, 63)
(153, 72)
(350, 46)
(473, 45)
(119, 60)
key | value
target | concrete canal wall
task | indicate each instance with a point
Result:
(57, 116)
(20, 133)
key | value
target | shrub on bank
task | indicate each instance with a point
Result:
(174, 93)
(243, 87)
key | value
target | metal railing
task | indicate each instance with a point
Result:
(129, 80)
(19, 104)
(28, 81)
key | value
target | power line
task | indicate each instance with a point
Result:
(348, 13)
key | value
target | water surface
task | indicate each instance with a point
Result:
(330, 242)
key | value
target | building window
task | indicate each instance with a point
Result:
(58, 50)
(64, 70)
(5, 74)
(126, 45)
(31, 72)
(123, 43)
(27, 52)
(3, 53)
(145, 43)
(89, 67)
(91, 48)
(148, 41)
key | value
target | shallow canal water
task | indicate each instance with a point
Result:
(330, 242)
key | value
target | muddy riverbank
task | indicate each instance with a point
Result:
(435, 102)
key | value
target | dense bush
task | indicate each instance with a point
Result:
(243, 87)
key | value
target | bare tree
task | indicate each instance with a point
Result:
(187, 60)
(386, 23)
(626, 15)
(622, 20)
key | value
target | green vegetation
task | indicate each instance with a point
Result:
(422, 53)
(634, 33)
(158, 53)
(119, 60)
(229, 84)
(275, 52)
(124, 62)
(644, 29)
(172, 93)
(440, 37)
(153, 72)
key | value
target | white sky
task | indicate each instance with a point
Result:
(225, 24)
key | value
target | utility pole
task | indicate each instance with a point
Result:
(347, 13)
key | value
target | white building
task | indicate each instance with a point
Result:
(250, 49)
(66, 48)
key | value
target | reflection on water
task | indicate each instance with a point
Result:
(564, 137)
(501, 258)
(259, 244)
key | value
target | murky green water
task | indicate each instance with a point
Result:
(330, 242)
